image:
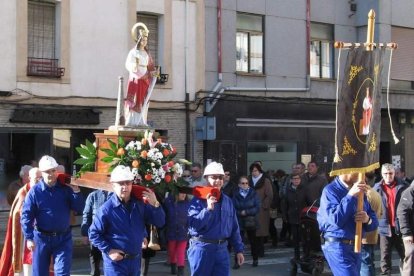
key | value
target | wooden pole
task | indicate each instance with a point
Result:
(361, 177)
(360, 207)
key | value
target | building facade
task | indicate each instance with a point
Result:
(60, 74)
(271, 79)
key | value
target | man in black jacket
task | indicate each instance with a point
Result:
(405, 218)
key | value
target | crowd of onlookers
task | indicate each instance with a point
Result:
(258, 200)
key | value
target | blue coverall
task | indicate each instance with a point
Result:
(336, 218)
(46, 220)
(122, 226)
(206, 256)
(93, 202)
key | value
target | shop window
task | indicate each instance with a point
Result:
(274, 155)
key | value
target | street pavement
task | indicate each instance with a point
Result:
(275, 262)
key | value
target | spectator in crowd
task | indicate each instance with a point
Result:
(313, 183)
(293, 204)
(16, 259)
(176, 209)
(247, 205)
(228, 185)
(400, 173)
(186, 175)
(93, 202)
(263, 187)
(14, 187)
(285, 232)
(46, 217)
(390, 189)
(196, 178)
(405, 213)
(370, 240)
(212, 224)
(337, 217)
(118, 228)
(278, 177)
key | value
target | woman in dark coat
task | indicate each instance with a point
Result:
(247, 204)
(263, 187)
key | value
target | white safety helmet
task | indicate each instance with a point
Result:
(214, 168)
(46, 163)
(121, 173)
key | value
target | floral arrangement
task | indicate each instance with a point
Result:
(151, 161)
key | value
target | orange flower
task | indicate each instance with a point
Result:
(167, 178)
(144, 154)
(144, 141)
(171, 163)
(120, 152)
(148, 177)
(135, 164)
(165, 152)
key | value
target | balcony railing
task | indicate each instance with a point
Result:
(162, 78)
(44, 67)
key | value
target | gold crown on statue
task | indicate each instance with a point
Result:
(143, 31)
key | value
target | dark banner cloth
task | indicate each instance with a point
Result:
(359, 113)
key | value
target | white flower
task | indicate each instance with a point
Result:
(177, 169)
(157, 179)
(161, 172)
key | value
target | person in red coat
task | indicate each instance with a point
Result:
(16, 259)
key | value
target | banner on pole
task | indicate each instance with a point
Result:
(358, 123)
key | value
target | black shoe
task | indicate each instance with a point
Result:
(180, 271)
(173, 269)
(236, 266)
(255, 263)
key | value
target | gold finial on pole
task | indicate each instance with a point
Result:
(370, 30)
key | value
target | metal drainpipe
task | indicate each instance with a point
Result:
(210, 104)
(187, 95)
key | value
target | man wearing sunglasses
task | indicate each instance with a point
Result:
(212, 224)
(196, 178)
(119, 225)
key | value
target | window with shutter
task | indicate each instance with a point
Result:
(41, 40)
(402, 67)
(151, 21)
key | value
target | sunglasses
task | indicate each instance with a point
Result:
(215, 177)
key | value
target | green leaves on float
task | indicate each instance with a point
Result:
(87, 158)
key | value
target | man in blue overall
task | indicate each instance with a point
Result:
(93, 202)
(118, 229)
(212, 224)
(46, 217)
(337, 216)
